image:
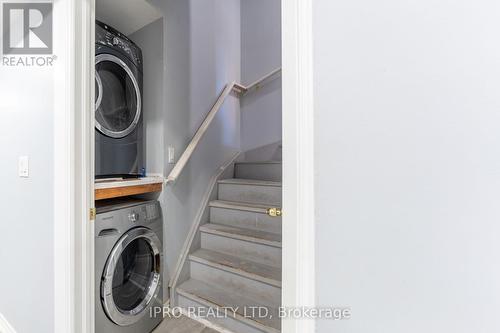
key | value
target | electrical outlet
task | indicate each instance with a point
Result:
(171, 154)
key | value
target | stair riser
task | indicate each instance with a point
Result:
(263, 254)
(269, 195)
(228, 322)
(262, 171)
(245, 219)
(247, 286)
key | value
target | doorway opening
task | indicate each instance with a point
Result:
(191, 52)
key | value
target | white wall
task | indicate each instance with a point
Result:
(27, 227)
(260, 54)
(407, 153)
(27, 104)
(202, 54)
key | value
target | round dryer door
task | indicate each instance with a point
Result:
(131, 277)
(118, 97)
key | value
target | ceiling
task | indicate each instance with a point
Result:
(126, 16)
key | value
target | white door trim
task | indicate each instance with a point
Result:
(5, 326)
(85, 76)
(85, 232)
(64, 190)
(298, 162)
(82, 20)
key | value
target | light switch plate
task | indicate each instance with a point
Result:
(171, 154)
(24, 166)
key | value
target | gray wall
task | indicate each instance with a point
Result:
(150, 40)
(407, 164)
(260, 54)
(202, 53)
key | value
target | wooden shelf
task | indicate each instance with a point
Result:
(122, 188)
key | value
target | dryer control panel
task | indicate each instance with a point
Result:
(107, 36)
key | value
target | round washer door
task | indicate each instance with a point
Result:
(131, 277)
(118, 97)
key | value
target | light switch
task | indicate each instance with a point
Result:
(24, 166)
(171, 154)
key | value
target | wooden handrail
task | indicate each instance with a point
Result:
(259, 83)
(241, 90)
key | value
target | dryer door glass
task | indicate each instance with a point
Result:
(118, 104)
(133, 275)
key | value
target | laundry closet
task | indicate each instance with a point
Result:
(129, 253)
(169, 124)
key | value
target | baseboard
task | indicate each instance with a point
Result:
(166, 305)
(5, 327)
(196, 224)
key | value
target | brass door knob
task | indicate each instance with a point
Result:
(274, 212)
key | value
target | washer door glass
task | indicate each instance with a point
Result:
(118, 103)
(131, 276)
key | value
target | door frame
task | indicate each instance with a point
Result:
(74, 306)
(65, 202)
(298, 281)
(298, 169)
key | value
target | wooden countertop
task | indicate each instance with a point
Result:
(115, 188)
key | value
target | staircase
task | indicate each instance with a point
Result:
(238, 262)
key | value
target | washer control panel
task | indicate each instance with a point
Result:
(133, 217)
(144, 213)
(152, 212)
